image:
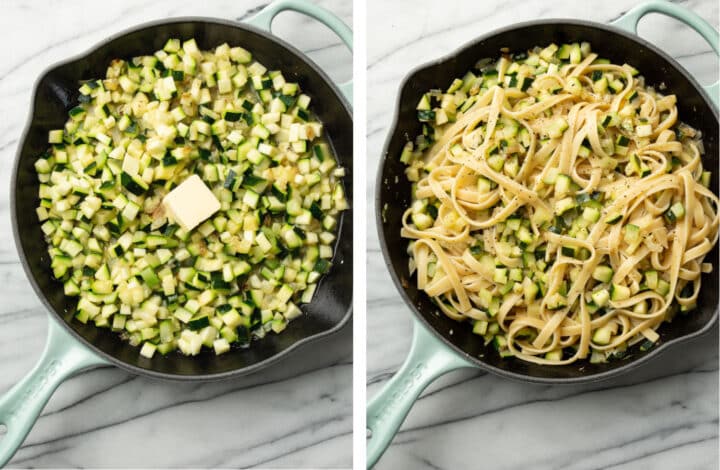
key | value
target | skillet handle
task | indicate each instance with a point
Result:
(428, 359)
(629, 22)
(20, 407)
(264, 19)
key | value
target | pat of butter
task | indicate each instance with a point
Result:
(190, 203)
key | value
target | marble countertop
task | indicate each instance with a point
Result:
(297, 414)
(665, 416)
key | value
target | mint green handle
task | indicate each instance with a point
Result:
(629, 22)
(263, 20)
(20, 407)
(428, 359)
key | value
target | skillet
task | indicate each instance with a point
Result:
(440, 344)
(72, 346)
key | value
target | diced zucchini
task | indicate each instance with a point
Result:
(631, 234)
(480, 327)
(564, 205)
(619, 292)
(677, 210)
(530, 290)
(601, 297)
(116, 241)
(557, 128)
(663, 287)
(562, 185)
(602, 336)
(602, 273)
(651, 279)
(555, 355)
(613, 219)
(500, 275)
(556, 301)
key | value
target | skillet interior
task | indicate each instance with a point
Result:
(56, 92)
(393, 193)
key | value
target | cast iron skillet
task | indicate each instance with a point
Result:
(441, 344)
(73, 346)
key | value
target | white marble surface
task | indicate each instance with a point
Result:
(297, 414)
(663, 417)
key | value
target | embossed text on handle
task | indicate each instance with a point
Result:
(397, 397)
(49, 371)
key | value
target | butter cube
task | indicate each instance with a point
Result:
(190, 203)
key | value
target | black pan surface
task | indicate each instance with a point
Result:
(393, 189)
(56, 92)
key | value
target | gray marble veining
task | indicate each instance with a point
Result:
(298, 414)
(665, 416)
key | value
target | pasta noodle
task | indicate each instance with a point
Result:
(558, 205)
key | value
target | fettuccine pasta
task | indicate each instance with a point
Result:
(559, 205)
